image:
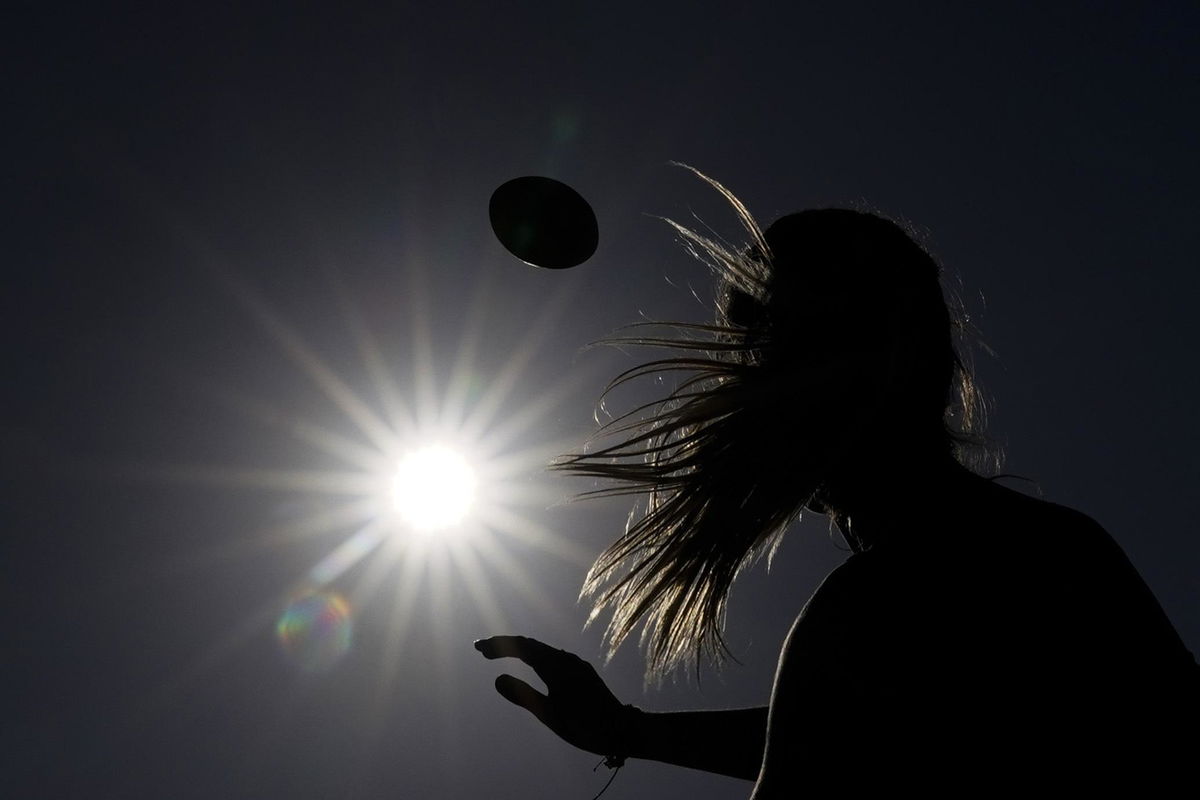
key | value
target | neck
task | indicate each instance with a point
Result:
(866, 505)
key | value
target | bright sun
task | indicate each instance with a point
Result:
(434, 488)
(432, 498)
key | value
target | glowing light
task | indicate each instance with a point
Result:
(434, 488)
(357, 502)
(315, 630)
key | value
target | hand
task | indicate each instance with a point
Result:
(577, 706)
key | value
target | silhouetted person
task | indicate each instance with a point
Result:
(975, 639)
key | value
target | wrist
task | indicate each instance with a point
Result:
(630, 731)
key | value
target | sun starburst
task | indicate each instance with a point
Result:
(440, 490)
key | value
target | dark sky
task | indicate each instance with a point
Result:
(210, 215)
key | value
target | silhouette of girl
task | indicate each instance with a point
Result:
(974, 638)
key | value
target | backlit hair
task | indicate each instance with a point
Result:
(726, 461)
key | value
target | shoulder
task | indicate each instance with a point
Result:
(840, 639)
(1069, 547)
(834, 622)
(1078, 605)
(997, 515)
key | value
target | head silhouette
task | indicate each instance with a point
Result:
(833, 348)
(848, 304)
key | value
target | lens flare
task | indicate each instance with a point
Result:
(315, 630)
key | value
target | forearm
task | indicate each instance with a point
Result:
(725, 742)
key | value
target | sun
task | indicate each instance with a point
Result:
(422, 491)
(434, 488)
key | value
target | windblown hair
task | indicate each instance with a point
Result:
(731, 456)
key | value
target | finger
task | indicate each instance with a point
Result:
(539, 655)
(517, 691)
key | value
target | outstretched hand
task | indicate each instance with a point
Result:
(577, 705)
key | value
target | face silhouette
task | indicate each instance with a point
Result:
(855, 334)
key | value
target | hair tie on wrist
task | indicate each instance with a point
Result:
(614, 763)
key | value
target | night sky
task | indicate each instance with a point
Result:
(248, 265)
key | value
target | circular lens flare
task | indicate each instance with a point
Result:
(314, 631)
(434, 488)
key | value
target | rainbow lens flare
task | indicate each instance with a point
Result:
(315, 630)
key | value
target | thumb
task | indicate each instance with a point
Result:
(517, 691)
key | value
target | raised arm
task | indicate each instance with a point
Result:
(580, 708)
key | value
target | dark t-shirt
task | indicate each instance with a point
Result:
(1013, 645)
